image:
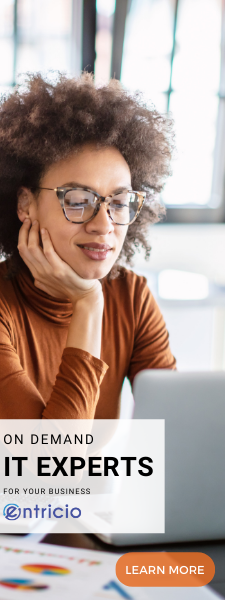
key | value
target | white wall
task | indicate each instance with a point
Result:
(196, 248)
(197, 329)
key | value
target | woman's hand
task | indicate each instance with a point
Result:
(51, 274)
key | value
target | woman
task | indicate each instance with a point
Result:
(73, 323)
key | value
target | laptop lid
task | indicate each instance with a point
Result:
(193, 406)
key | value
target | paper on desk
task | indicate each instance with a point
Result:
(57, 571)
(112, 591)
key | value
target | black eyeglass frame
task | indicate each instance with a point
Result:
(61, 192)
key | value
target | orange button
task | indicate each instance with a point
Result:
(165, 569)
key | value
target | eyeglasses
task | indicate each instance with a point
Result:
(80, 205)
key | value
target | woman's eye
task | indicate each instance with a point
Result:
(120, 201)
(118, 204)
(77, 203)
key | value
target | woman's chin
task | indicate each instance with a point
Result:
(95, 271)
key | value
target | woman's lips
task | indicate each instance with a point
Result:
(95, 251)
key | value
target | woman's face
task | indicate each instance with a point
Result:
(102, 170)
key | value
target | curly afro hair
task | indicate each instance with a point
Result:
(41, 123)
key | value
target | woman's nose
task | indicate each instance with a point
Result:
(101, 223)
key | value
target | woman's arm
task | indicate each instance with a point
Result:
(86, 325)
(55, 277)
(74, 395)
(76, 390)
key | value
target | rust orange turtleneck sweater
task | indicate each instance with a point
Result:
(40, 378)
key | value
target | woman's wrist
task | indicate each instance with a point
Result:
(91, 299)
(85, 328)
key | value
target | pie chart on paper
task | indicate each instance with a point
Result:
(46, 569)
(22, 584)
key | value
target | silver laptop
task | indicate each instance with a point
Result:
(193, 406)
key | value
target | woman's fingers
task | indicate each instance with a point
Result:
(49, 251)
(34, 239)
(61, 270)
(23, 234)
(29, 247)
(23, 244)
(51, 274)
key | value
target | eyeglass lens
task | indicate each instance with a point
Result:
(80, 205)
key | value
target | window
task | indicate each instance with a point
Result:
(169, 49)
(172, 52)
(38, 35)
(104, 37)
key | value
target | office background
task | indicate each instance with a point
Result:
(173, 51)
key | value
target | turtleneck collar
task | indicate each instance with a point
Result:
(56, 310)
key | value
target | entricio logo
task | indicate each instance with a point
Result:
(12, 512)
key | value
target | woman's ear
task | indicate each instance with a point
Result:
(24, 203)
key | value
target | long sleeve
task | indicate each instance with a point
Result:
(74, 395)
(151, 340)
(41, 378)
